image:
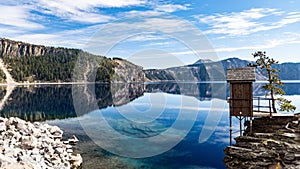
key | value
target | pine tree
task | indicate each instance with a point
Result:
(274, 85)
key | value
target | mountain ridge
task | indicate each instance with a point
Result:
(38, 63)
(199, 70)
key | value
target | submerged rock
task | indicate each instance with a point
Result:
(27, 145)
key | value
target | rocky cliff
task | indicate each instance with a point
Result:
(126, 71)
(12, 48)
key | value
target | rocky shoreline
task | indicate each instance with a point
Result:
(275, 143)
(35, 145)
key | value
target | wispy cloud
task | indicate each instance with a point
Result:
(79, 10)
(18, 16)
(147, 37)
(289, 38)
(248, 21)
(171, 7)
(156, 8)
(76, 38)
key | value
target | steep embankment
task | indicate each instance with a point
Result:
(9, 79)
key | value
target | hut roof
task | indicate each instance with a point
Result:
(241, 74)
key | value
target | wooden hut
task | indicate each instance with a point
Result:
(241, 96)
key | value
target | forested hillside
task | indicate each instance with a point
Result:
(36, 63)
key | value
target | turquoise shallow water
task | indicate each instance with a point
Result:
(188, 153)
(136, 112)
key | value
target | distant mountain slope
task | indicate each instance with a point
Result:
(289, 71)
(198, 70)
(239, 63)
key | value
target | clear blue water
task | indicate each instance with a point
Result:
(137, 111)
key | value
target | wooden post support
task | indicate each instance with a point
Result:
(250, 125)
(230, 129)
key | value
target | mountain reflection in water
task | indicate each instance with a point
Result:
(48, 102)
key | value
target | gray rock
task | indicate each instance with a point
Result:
(2, 127)
(3, 120)
(73, 140)
(59, 150)
(56, 132)
(28, 142)
(76, 161)
(68, 146)
(39, 146)
(69, 151)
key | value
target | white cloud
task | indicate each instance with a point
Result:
(289, 38)
(146, 37)
(8, 31)
(38, 39)
(171, 7)
(268, 44)
(70, 38)
(18, 16)
(73, 11)
(248, 21)
(158, 9)
(84, 4)
(82, 10)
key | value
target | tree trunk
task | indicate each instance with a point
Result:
(272, 91)
(273, 102)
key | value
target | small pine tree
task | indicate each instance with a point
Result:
(273, 87)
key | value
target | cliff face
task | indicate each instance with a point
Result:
(12, 48)
(127, 72)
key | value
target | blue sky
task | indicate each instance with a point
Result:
(233, 28)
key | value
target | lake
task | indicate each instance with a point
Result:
(152, 125)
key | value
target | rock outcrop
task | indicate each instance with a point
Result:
(35, 145)
(12, 48)
(128, 72)
(275, 143)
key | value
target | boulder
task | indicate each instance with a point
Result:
(2, 127)
(76, 161)
(26, 145)
(73, 140)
